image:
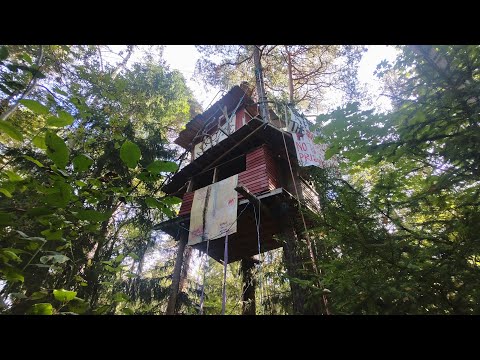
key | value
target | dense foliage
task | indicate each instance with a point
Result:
(83, 156)
(85, 146)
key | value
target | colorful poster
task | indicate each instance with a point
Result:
(214, 211)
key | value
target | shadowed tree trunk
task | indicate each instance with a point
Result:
(249, 285)
(172, 300)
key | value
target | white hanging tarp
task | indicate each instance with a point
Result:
(214, 211)
(308, 153)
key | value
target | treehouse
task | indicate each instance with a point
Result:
(243, 177)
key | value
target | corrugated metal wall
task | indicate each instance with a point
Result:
(260, 177)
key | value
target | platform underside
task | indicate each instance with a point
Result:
(244, 243)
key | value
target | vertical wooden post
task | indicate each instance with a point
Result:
(172, 300)
(249, 285)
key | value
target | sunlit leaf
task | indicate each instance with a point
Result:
(5, 192)
(56, 149)
(159, 166)
(130, 154)
(36, 162)
(42, 309)
(10, 130)
(64, 295)
(35, 106)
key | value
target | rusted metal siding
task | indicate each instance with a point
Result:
(260, 176)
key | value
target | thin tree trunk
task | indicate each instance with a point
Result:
(249, 285)
(262, 99)
(172, 300)
(290, 76)
(27, 91)
(186, 265)
(292, 264)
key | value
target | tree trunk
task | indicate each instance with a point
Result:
(262, 99)
(187, 254)
(293, 262)
(28, 89)
(249, 285)
(290, 76)
(172, 300)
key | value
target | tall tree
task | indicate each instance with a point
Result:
(84, 155)
(300, 74)
(401, 232)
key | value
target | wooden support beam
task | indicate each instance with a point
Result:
(253, 199)
(247, 194)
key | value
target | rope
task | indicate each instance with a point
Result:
(309, 244)
(257, 222)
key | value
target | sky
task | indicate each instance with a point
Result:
(184, 57)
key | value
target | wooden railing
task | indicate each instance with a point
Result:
(309, 196)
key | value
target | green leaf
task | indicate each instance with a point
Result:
(27, 58)
(19, 295)
(65, 116)
(133, 256)
(36, 162)
(127, 311)
(77, 305)
(39, 141)
(92, 215)
(158, 166)
(64, 295)
(10, 130)
(59, 121)
(10, 255)
(80, 183)
(82, 162)
(35, 106)
(5, 192)
(13, 275)
(42, 309)
(55, 259)
(59, 91)
(13, 177)
(6, 219)
(130, 154)
(153, 203)
(52, 235)
(171, 200)
(56, 149)
(38, 295)
(120, 297)
(59, 195)
(39, 211)
(119, 258)
(3, 53)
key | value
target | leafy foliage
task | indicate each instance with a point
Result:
(76, 136)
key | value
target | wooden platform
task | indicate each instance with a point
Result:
(244, 243)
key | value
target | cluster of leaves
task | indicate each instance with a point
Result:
(399, 232)
(83, 157)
